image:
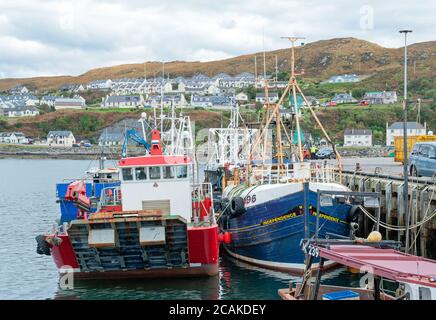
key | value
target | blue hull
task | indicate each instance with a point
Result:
(269, 234)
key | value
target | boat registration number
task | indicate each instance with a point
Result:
(312, 250)
(250, 199)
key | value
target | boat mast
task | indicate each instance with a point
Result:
(161, 97)
(293, 82)
(296, 87)
(292, 85)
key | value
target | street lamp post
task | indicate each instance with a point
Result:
(406, 160)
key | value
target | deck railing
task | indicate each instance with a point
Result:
(308, 171)
(200, 191)
(110, 196)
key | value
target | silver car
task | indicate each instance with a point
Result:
(423, 159)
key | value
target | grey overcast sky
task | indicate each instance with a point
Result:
(56, 37)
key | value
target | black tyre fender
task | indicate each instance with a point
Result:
(354, 212)
(42, 247)
(237, 206)
(225, 205)
(224, 220)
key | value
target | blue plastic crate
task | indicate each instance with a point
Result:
(341, 295)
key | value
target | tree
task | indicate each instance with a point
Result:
(358, 93)
(250, 91)
(44, 108)
(3, 124)
(283, 76)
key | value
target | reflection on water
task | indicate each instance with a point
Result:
(234, 281)
(28, 207)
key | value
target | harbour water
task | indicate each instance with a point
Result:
(28, 207)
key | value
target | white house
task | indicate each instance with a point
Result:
(344, 78)
(174, 87)
(129, 101)
(313, 102)
(60, 139)
(358, 137)
(379, 97)
(69, 103)
(178, 100)
(13, 138)
(19, 90)
(19, 110)
(343, 98)
(213, 89)
(396, 129)
(111, 139)
(241, 97)
(272, 97)
(100, 85)
(211, 101)
(48, 100)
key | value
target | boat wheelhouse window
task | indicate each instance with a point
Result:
(127, 174)
(140, 174)
(168, 172)
(424, 293)
(181, 172)
(154, 173)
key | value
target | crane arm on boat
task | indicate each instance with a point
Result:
(134, 136)
(76, 192)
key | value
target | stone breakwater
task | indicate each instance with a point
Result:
(33, 151)
(370, 152)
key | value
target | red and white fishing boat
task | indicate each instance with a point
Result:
(156, 223)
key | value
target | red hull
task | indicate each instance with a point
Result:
(203, 246)
(204, 270)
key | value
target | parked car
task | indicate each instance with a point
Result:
(331, 104)
(76, 145)
(325, 153)
(87, 145)
(422, 160)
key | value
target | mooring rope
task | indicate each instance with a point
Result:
(396, 228)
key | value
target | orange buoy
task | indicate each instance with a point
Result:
(220, 237)
(227, 238)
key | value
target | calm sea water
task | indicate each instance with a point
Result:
(28, 208)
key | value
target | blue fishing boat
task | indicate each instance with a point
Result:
(266, 222)
(269, 203)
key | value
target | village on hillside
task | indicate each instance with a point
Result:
(220, 92)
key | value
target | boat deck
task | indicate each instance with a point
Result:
(387, 263)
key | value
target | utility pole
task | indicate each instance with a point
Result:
(264, 55)
(255, 71)
(276, 70)
(406, 160)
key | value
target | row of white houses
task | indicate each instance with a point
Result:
(374, 97)
(25, 105)
(363, 137)
(197, 84)
(54, 138)
(352, 137)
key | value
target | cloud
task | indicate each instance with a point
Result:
(51, 37)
